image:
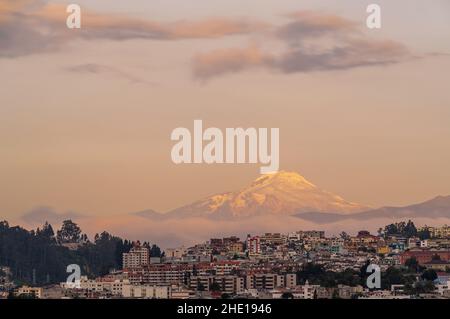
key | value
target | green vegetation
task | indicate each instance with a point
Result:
(317, 275)
(404, 229)
(287, 295)
(42, 255)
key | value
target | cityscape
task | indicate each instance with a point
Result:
(414, 263)
(216, 158)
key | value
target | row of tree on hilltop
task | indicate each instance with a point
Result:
(40, 256)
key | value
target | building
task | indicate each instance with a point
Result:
(178, 292)
(175, 253)
(364, 238)
(307, 291)
(105, 285)
(438, 265)
(227, 284)
(273, 239)
(424, 255)
(269, 281)
(138, 256)
(437, 232)
(161, 274)
(146, 291)
(236, 248)
(253, 245)
(29, 291)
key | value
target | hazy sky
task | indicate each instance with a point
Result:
(86, 115)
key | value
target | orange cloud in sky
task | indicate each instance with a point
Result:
(322, 21)
(308, 47)
(121, 26)
(43, 28)
(228, 60)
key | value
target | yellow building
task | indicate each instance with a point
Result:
(383, 250)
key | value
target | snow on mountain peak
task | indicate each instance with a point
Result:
(281, 193)
(283, 178)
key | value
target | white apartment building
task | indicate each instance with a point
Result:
(90, 285)
(138, 256)
(263, 281)
(146, 291)
(175, 253)
(159, 274)
(306, 291)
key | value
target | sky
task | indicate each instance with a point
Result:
(86, 115)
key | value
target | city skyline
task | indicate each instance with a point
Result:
(86, 114)
(402, 261)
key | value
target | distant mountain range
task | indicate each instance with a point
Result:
(282, 193)
(280, 202)
(290, 194)
(438, 207)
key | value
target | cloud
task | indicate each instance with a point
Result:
(355, 53)
(307, 24)
(93, 68)
(228, 60)
(39, 215)
(312, 42)
(31, 26)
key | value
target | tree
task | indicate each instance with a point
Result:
(420, 287)
(406, 229)
(344, 235)
(155, 251)
(287, 295)
(215, 286)
(391, 229)
(424, 234)
(33, 256)
(69, 233)
(335, 294)
(410, 230)
(396, 276)
(364, 249)
(429, 274)
(380, 232)
(412, 264)
(46, 232)
(200, 286)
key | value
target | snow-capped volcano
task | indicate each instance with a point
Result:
(282, 193)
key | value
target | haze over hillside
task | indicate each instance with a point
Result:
(280, 202)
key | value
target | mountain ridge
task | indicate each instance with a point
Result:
(282, 193)
(437, 207)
